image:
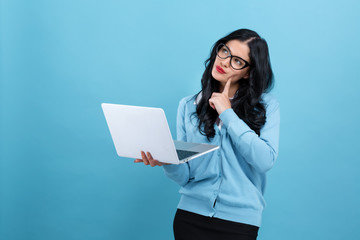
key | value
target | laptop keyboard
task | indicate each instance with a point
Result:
(182, 154)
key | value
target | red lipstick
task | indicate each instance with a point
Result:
(220, 70)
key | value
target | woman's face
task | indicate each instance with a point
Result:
(222, 69)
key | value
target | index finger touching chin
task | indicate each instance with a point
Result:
(227, 87)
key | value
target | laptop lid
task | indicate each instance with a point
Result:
(134, 129)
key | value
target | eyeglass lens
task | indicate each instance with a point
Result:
(236, 62)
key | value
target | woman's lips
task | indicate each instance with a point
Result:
(220, 70)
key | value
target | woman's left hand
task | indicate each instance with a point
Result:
(147, 159)
(220, 101)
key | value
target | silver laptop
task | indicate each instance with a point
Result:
(134, 129)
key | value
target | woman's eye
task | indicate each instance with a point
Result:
(238, 62)
(225, 51)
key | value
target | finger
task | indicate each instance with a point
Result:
(138, 160)
(212, 105)
(144, 158)
(215, 94)
(227, 87)
(160, 163)
(155, 162)
(151, 160)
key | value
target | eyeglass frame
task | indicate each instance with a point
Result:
(247, 64)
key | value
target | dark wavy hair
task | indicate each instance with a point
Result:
(247, 102)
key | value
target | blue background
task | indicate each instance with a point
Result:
(60, 175)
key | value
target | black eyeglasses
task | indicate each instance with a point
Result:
(236, 62)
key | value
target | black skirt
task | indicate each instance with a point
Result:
(189, 225)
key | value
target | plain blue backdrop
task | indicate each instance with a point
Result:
(60, 175)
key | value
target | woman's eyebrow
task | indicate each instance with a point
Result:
(234, 55)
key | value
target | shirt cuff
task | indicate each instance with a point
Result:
(171, 167)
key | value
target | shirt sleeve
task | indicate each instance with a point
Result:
(259, 151)
(179, 172)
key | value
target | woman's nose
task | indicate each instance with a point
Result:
(226, 62)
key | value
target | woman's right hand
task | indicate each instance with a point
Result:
(147, 159)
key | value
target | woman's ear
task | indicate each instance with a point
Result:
(246, 76)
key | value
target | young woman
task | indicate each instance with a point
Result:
(222, 191)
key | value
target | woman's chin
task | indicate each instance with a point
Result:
(219, 77)
(221, 80)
